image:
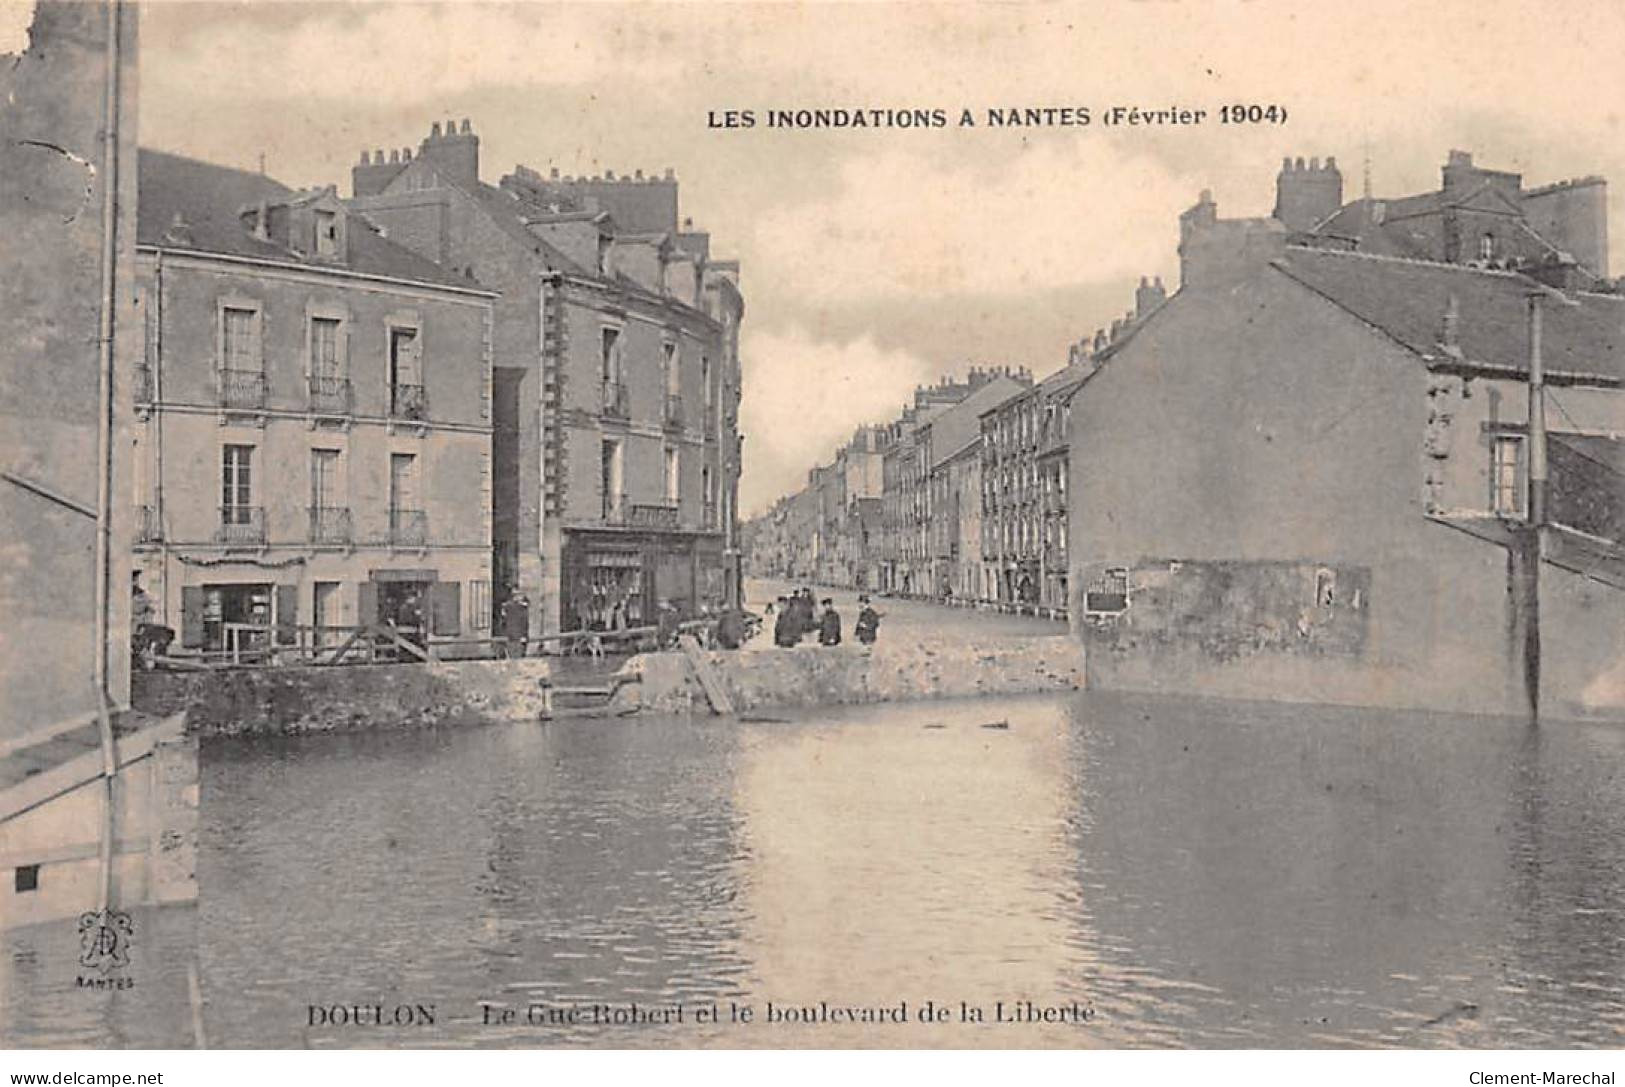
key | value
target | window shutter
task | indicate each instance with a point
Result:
(287, 614)
(192, 608)
(446, 614)
(366, 604)
(412, 359)
(257, 343)
(447, 611)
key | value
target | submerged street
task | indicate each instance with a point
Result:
(1182, 873)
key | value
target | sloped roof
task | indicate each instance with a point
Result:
(209, 201)
(952, 430)
(1407, 300)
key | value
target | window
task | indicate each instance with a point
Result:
(403, 481)
(407, 399)
(324, 348)
(612, 355)
(237, 482)
(705, 379)
(672, 468)
(324, 468)
(327, 233)
(1486, 247)
(239, 338)
(611, 479)
(670, 367)
(26, 878)
(1506, 475)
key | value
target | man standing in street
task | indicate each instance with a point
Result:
(829, 626)
(868, 624)
(516, 625)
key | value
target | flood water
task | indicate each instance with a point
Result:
(1186, 873)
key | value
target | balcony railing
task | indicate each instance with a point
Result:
(330, 525)
(674, 410)
(243, 389)
(653, 516)
(617, 405)
(408, 528)
(241, 525)
(616, 508)
(148, 529)
(331, 396)
(408, 402)
(142, 383)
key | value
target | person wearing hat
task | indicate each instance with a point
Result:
(829, 625)
(786, 631)
(868, 624)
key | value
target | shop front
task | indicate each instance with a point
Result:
(614, 581)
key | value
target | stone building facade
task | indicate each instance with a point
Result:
(68, 179)
(617, 450)
(1307, 477)
(312, 438)
(1024, 476)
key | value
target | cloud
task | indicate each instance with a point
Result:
(407, 53)
(805, 396)
(1041, 215)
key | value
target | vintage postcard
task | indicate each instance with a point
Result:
(812, 526)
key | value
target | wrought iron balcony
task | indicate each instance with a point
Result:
(617, 405)
(653, 516)
(408, 401)
(616, 508)
(408, 528)
(674, 410)
(242, 389)
(241, 525)
(148, 529)
(330, 395)
(330, 525)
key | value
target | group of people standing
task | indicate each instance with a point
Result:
(797, 618)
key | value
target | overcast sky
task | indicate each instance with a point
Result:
(878, 259)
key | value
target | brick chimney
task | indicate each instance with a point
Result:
(1306, 194)
(454, 153)
(1148, 296)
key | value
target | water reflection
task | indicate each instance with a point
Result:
(1193, 873)
(912, 855)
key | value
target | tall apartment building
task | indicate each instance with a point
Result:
(616, 449)
(1025, 453)
(909, 560)
(313, 415)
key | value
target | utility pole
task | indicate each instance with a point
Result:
(1532, 546)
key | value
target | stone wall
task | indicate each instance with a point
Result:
(895, 672)
(317, 699)
(314, 699)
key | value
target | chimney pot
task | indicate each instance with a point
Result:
(434, 131)
(468, 129)
(366, 159)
